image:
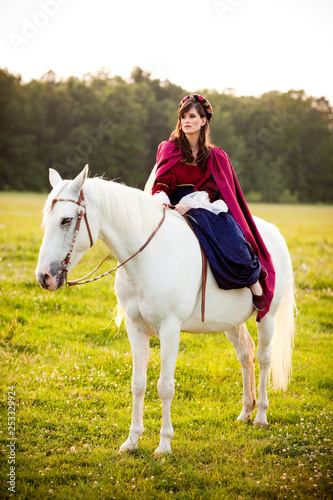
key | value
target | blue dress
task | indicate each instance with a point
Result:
(230, 256)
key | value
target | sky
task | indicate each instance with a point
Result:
(251, 46)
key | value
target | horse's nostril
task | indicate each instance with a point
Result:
(47, 278)
(43, 280)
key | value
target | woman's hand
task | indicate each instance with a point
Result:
(182, 208)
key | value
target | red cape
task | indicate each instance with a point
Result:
(169, 154)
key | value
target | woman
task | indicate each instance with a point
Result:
(198, 179)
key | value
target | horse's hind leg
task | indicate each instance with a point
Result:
(140, 348)
(245, 350)
(265, 335)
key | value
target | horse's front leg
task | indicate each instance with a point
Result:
(245, 350)
(140, 348)
(169, 339)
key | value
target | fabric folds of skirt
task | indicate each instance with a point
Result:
(231, 258)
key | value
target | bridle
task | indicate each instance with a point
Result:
(82, 212)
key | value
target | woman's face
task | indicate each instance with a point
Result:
(191, 121)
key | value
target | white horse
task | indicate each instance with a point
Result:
(159, 290)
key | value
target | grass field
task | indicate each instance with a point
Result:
(70, 369)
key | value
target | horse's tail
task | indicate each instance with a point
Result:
(283, 339)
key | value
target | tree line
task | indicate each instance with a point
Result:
(280, 144)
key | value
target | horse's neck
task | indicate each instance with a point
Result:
(126, 217)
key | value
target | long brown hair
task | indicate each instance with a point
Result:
(179, 137)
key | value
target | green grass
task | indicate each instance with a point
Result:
(71, 367)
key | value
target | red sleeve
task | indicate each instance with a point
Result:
(166, 182)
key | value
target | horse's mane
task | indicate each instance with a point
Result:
(127, 207)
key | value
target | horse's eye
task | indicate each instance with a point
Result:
(66, 221)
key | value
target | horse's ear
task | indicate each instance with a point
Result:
(80, 179)
(54, 177)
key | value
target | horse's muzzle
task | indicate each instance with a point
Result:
(50, 281)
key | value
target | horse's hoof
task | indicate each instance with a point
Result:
(246, 420)
(122, 451)
(260, 424)
(161, 452)
(127, 447)
(245, 415)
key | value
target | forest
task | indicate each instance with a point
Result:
(280, 144)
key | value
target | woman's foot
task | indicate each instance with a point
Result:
(258, 297)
